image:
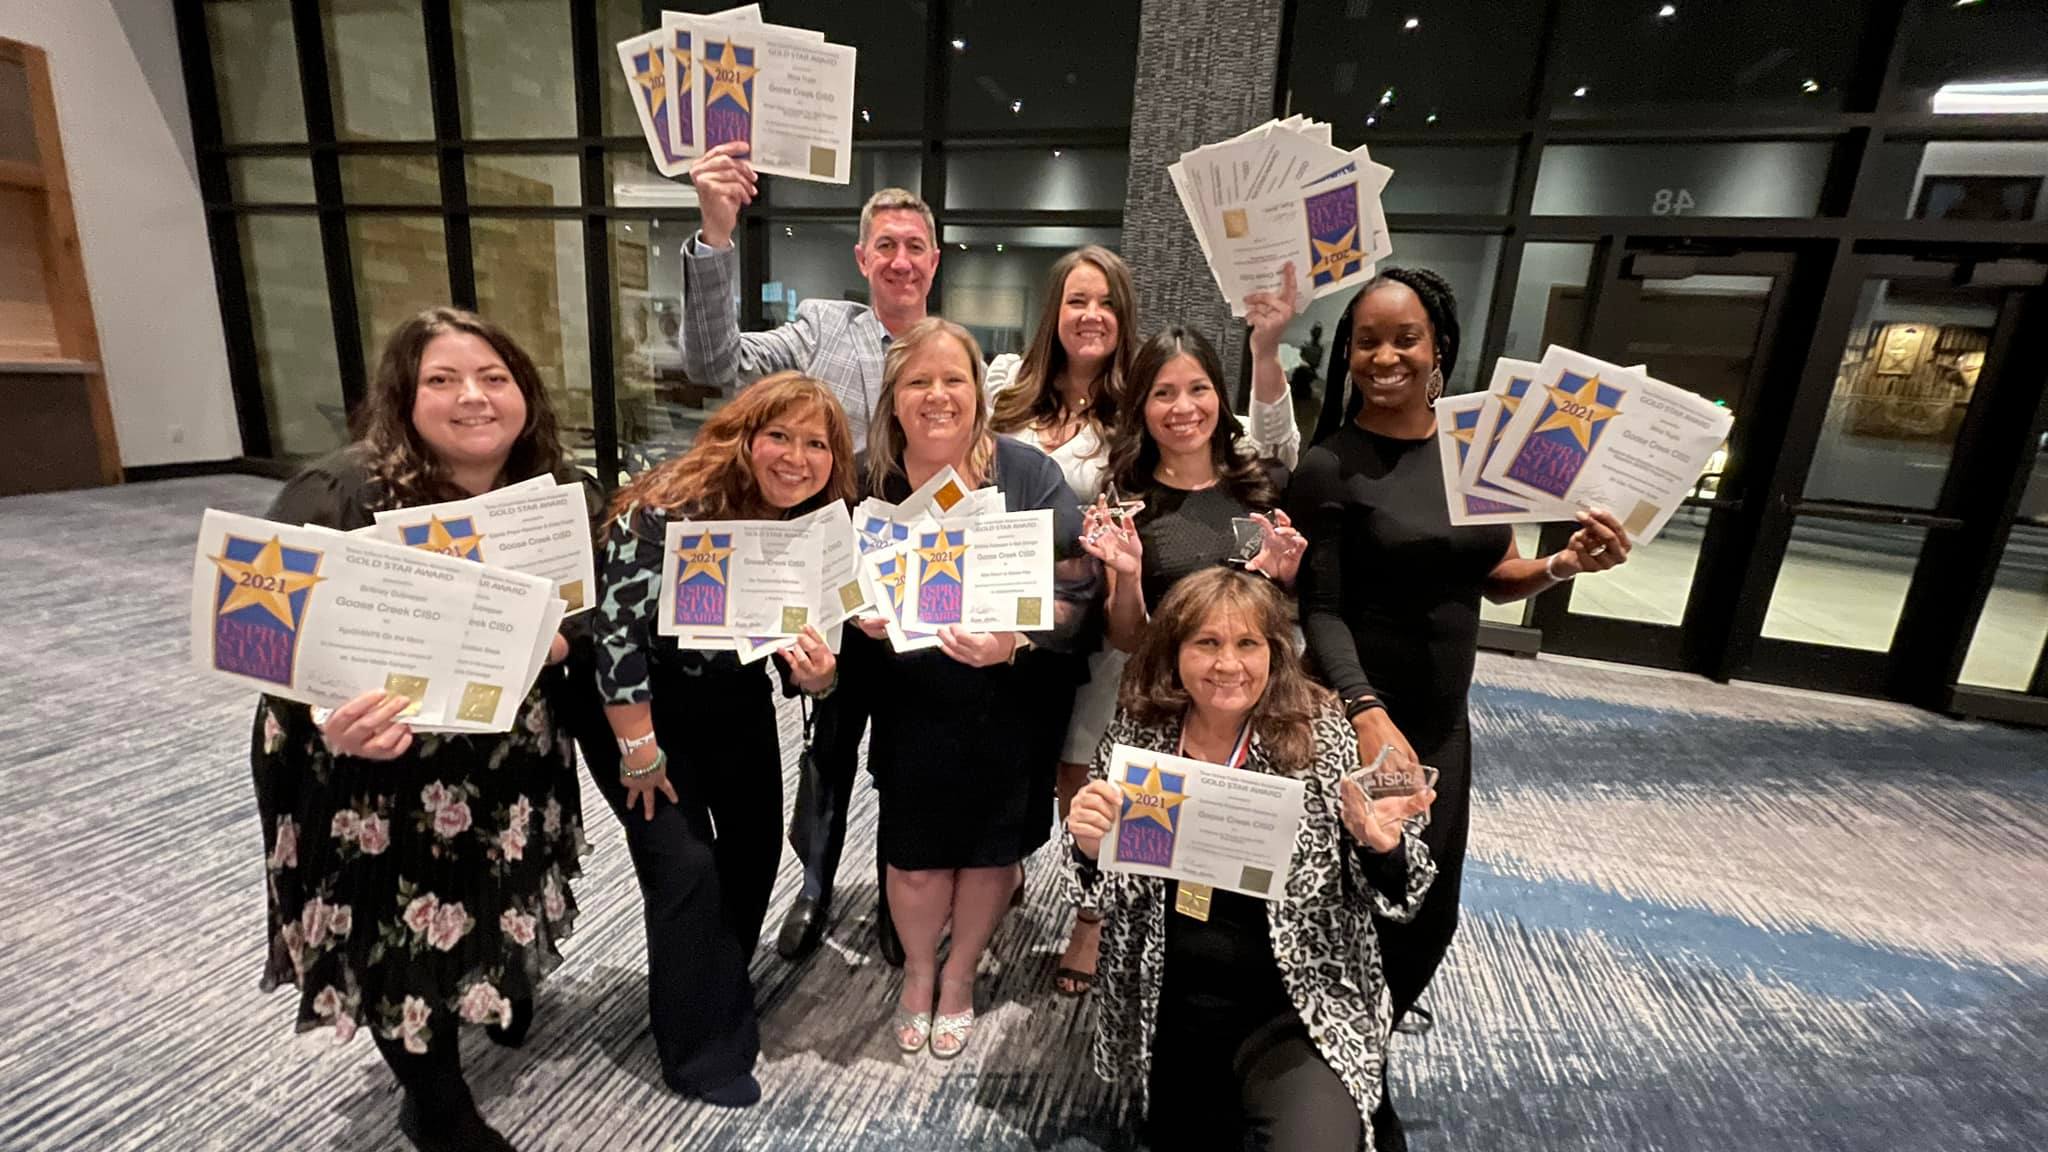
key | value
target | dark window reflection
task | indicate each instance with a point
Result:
(1463, 62)
(1638, 56)
(1050, 64)
(1040, 179)
(1980, 42)
(994, 278)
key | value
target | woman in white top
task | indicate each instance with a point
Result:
(1061, 397)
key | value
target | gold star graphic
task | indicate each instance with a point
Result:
(1463, 433)
(1512, 400)
(1578, 412)
(704, 558)
(942, 555)
(891, 579)
(1334, 259)
(729, 78)
(264, 583)
(440, 540)
(654, 82)
(1150, 800)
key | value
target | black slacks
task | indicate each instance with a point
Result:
(1215, 1088)
(706, 864)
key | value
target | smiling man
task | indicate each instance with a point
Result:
(838, 341)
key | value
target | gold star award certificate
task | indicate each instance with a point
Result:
(542, 529)
(1593, 434)
(1202, 823)
(739, 578)
(992, 572)
(784, 92)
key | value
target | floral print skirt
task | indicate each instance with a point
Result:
(415, 893)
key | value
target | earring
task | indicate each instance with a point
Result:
(1435, 388)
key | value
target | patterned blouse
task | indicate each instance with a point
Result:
(1322, 927)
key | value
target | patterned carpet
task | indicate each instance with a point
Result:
(1699, 917)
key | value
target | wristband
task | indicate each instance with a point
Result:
(1550, 568)
(628, 747)
(1355, 708)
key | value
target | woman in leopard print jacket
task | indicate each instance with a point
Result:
(1243, 1023)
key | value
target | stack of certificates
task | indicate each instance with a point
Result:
(1572, 432)
(453, 606)
(1283, 193)
(702, 81)
(948, 555)
(753, 586)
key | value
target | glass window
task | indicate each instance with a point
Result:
(2012, 632)
(1527, 540)
(256, 71)
(994, 279)
(390, 180)
(1024, 66)
(401, 267)
(513, 67)
(1041, 179)
(636, 183)
(1632, 57)
(292, 323)
(1990, 180)
(1443, 179)
(1970, 45)
(271, 179)
(1468, 262)
(621, 20)
(873, 170)
(546, 181)
(659, 409)
(1457, 62)
(1843, 583)
(529, 279)
(1751, 179)
(811, 258)
(377, 66)
(1550, 299)
(1907, 377)
(888, 85)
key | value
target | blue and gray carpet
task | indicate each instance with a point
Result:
(1698, 917)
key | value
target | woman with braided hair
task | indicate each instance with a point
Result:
(1390, 589)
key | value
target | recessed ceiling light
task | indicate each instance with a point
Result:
(1412, 23)
(1809, 86)
(865, 118)
(788, 231)
(959, 45)
(999, 247)
(1430, 119)
(1580, 92)
(1016, 106)
(1386, 97)
(963, 247)
(1667, 11)
(1371, 120)
(1055, 153)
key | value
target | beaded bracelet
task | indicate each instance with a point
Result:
(660, 762)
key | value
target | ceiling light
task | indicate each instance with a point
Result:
(788, 231)
(1055, 153)
(999, 247)
(2003, 98)
(959, 45)
(1371, 120)
(1412, 23)
(963, 247)
(1016, 106)
(1430, 119)
(1667, 11)
(1964, 3)
(1809, 85)
(865, 118)
(1580, 92)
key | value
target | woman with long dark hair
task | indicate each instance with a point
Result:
(699, 785)
(1390, 589)
(418, 883)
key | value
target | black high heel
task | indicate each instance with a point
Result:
(514, 1034)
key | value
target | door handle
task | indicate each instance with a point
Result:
(1868, 513)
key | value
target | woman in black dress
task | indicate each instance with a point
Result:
(1390, 590)
(1178, 450)
(417, 883)
(699, 782)
(965, 739)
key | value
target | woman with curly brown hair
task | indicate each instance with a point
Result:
(1242, 1023)
(417, 883)
(699, 785)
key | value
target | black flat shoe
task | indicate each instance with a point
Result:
(514, 1034)
(740, 1092)
(461, 1131)
(802, 929)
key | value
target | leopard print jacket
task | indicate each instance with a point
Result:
(1322, 927)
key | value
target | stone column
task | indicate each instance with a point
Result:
(1205, 73)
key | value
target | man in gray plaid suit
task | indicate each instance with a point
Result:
(842, 343)
(838, 341)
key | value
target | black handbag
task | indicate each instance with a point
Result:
(812, 793)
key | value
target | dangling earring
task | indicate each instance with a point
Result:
(1435, 388)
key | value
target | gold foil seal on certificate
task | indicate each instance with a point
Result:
(479, 703)
(571, 593)
(794, 617)
(413, 688)
(1192, 900)
(849, 595)
(1639, 521)
(824, 161)
(948, 495)
(1028, 611)
(1236, 226)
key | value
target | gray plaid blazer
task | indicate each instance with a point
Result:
(837, 341)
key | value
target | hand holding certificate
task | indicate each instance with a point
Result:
(1202, 823)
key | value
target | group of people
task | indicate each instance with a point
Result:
(420, 882)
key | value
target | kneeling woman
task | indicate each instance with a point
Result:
(1255, 1025)
(699, 788)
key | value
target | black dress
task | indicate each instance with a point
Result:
(965, 758)
(1390, 604)
(1185, 531)
(410, 894)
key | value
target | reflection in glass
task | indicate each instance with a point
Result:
(1972, 42)
(1550, 299)
(401, 267)
(1843, 583)
(1655, 583)
(1906, 380)
(1041, 179)
(271, 179)
(889, 84)
(529, 280)
(292, 323)
(256, 72)
(377, 68)
(634, 182)
(1768, 179)
(1629, 57)
(390, 180)
(1049, 64)
(513, 67)
(994, 278)
(543, 181)
(2014, 626)
(1440, 179)
(1464, 62)
(812, 259)
(1468, 262)
(1981, 180)
(873, 170)
(1526, 542)
(659, 409)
